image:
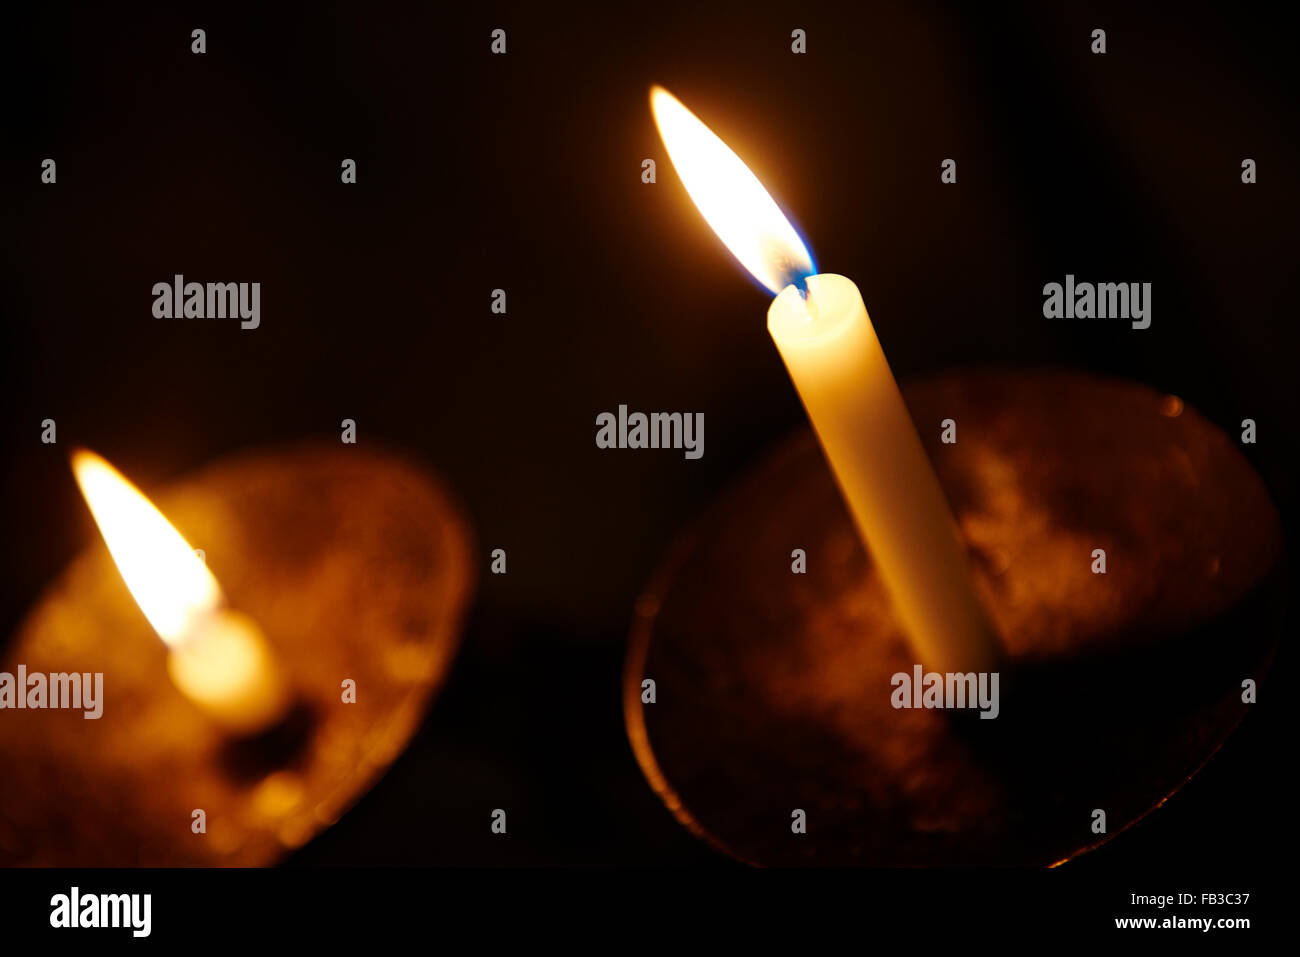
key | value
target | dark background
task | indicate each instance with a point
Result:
(523, 172)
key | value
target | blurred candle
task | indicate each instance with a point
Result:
(829, 346)
(217, 657)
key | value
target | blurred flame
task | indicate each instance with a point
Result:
(730, 197)
(170, 583)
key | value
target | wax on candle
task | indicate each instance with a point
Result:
(218, 658)
(821, 327)
(226, 668)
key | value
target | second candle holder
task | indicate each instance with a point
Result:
(358, 567)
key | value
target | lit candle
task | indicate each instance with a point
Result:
(355, 562)
(218, 657)
(829, 346)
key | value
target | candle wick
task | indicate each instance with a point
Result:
(810, 310)
(800, 283)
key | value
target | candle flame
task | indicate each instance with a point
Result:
(731, 198)
(169, 582)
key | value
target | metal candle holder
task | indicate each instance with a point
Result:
(773, 689)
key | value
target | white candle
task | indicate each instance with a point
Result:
(836, 362)
(830, 349)
(217, 657)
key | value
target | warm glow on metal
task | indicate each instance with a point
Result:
(730, 197)
(169, 582)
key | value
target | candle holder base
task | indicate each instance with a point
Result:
(773, 690)
(356, 565)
